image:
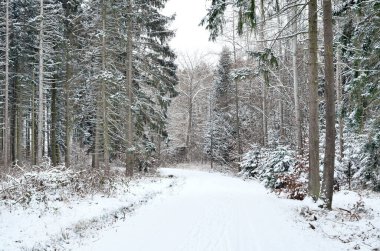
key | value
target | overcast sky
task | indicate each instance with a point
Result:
(190, 37)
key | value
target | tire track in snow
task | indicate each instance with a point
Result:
(216, 213)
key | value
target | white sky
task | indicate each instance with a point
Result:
(190, 37)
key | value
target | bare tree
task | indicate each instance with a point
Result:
(328, 171)
(295, 85)
(314, 182)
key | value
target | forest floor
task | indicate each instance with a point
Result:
(188, 209)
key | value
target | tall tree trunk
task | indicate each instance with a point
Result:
(328, 171)
(237, 118)
(69, 36)
(6, 135)
(95, 156)
(159, 141)
(238, 140)
(129, 151)
(212, 135)
(314, 179)
(46, 139)
(19, 124)
(53, 127)
(40, 87)
(104, 91)
(281, 76)
(67, 119)
(295, 86)
(282, 130)
(339, 102)
(33, 128)
(264, 108)
(265, 77)
(189, 125)
(27, 137)
(68, 77)
(17, 116)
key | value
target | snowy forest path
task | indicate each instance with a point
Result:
(210, 211)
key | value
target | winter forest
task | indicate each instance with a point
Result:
(112, 139)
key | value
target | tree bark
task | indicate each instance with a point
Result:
(53, 127)
(212, 135)
(40, 87)
(339, 102)
(281, 76)
(295, 86)
(16, 128)
(129, 151)
(328, 171)
(67, 114)
(265, 77)
(68, 77)
(6, 135)
(314, 179)
(189, 124)
(95, 156)
(238, 140)
(33, 127)
(104, 91)
(237, 118)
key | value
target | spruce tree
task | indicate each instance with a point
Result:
(220, 132)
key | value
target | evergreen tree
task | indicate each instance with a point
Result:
(358, 43)
(220, 131)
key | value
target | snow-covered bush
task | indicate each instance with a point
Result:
(360, 166)
(55, 184)
(278, 169)
(267, 164)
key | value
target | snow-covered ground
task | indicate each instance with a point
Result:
(211, 211)
(56, 224)
(195, 210)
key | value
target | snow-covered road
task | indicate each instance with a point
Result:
(210, 211)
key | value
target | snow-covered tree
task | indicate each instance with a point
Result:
(220, 131)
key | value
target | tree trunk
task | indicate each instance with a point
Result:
(69, 41)
(328, 171)
(282, 130)
(95, 156)
(129, 151)
(265, 77)
(295, 86)
(281, 76)
(53, 127)
(6, 135)
(237, 118)
(339, 102)
(67, 106)
(189, 125)
(33, 128)
(27, 136)
(104, 92)
(314, 179)
(159, 141)
(46, 138)
(16, 128)
(238, 140)
(40, 87)
(211, 135)
(264, 107)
